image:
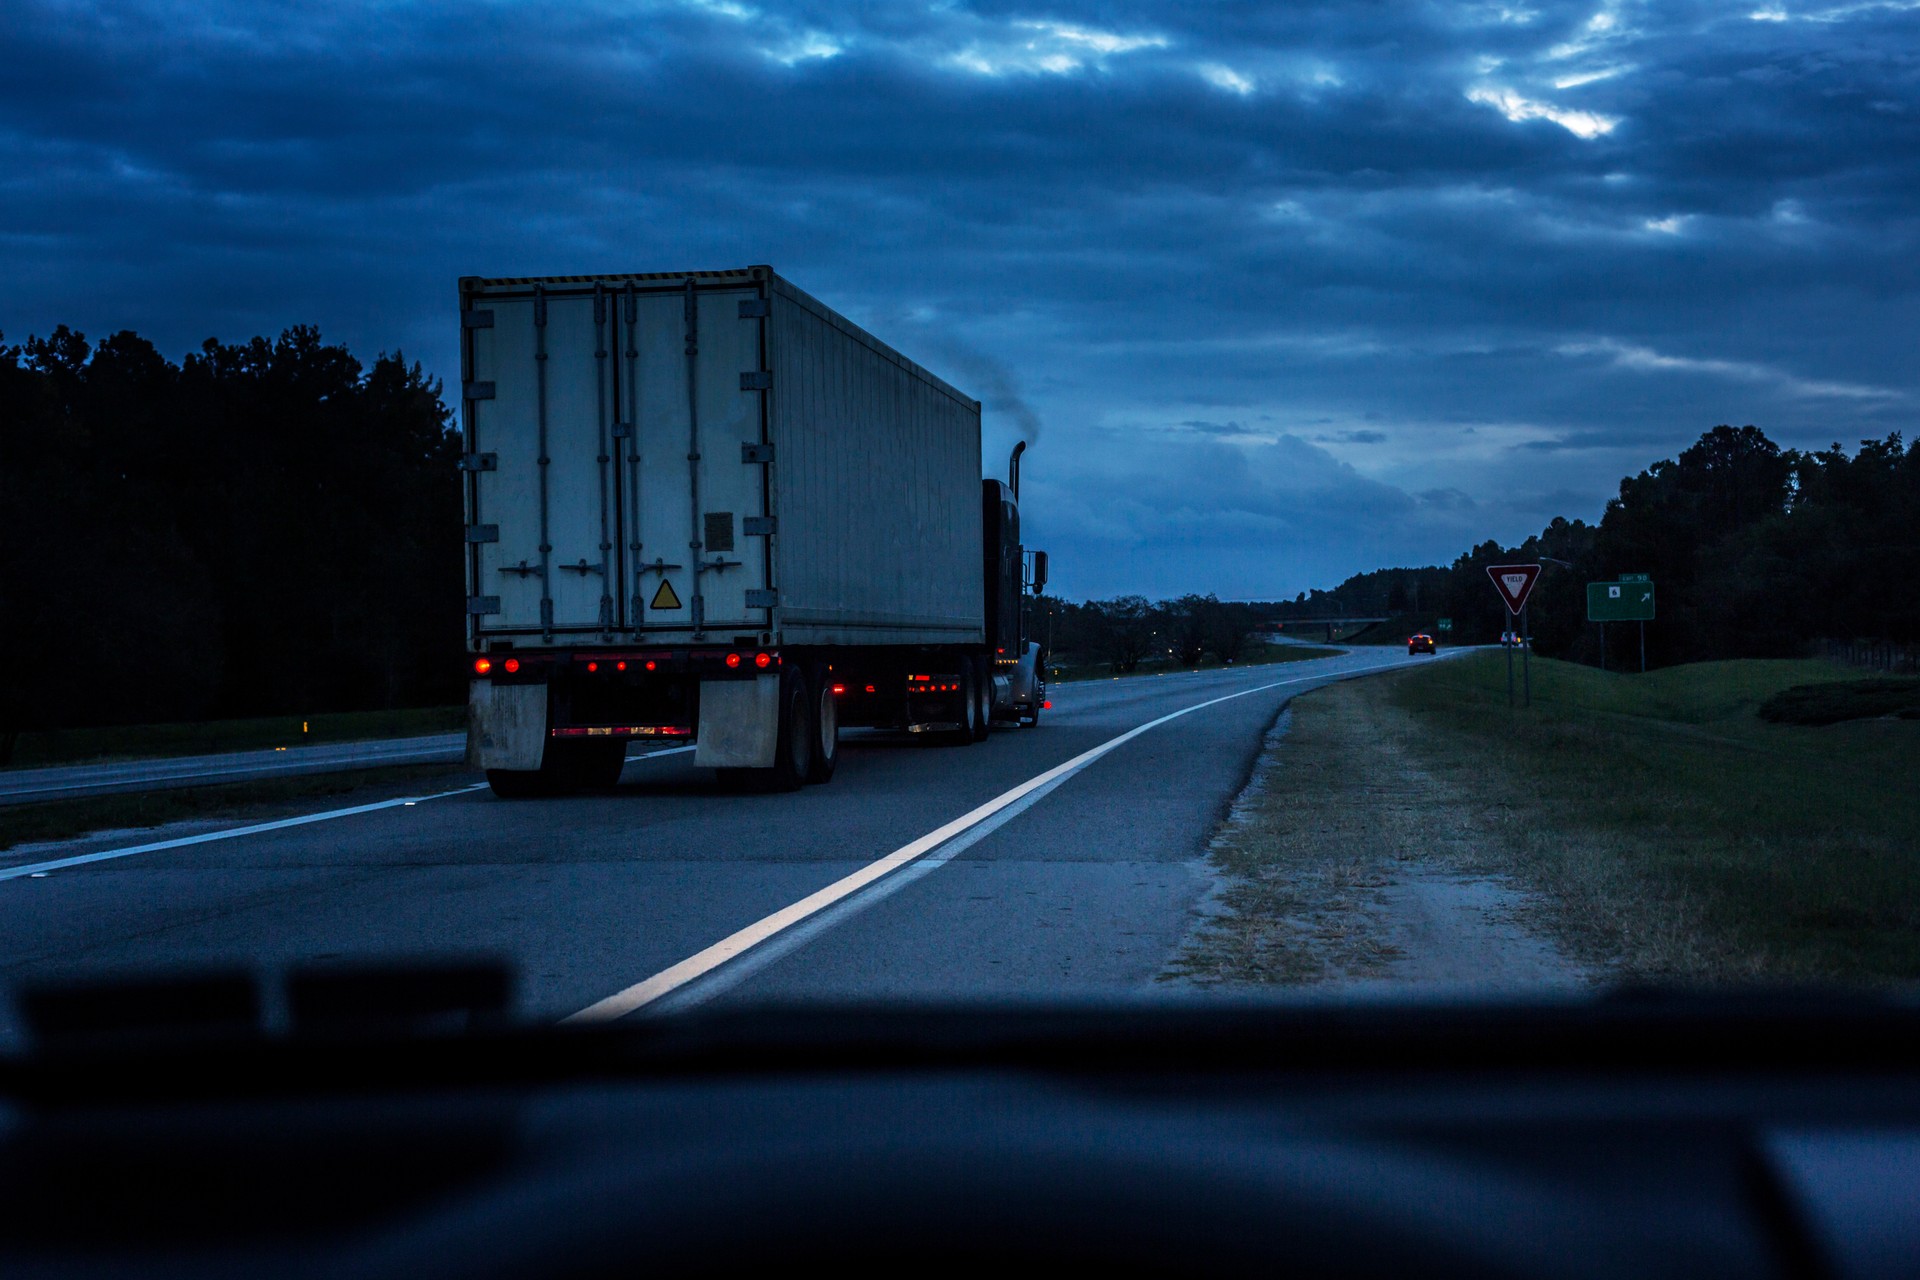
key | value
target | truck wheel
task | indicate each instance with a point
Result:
(826, 726)
(519, 784)
(969, 703)
(982, 699)
(592, 766)
(793, 752)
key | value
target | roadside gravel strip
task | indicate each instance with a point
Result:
(1347, 863)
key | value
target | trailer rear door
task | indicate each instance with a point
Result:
(615, 442)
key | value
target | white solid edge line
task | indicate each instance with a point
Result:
(740, 941)
(78, 860)
(31, 868)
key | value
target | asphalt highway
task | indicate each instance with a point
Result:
(67, 782)
(1054, 860)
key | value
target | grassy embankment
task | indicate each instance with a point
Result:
(1668, 829)
(136, 741)
(1258, 654)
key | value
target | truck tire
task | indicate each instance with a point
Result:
(982, 699)
(591, 766)
(826, 728)
(519, 784)
(793, 750)
(968, 731)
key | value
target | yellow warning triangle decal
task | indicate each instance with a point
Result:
(664, 597)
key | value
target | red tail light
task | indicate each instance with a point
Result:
(593, 666)
(733, 660)
(869, 688)
(512, 665)
(482, 665)
(763, 660)
(1047, 705)
(650, 664)
(839, 689)
(620, 666)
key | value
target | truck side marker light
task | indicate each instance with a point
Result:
(620, 665)
(482, 665)
(512, 665)
(650, 664)
(1047, 705)
(763, 660)
(733, 660)
(593, 666)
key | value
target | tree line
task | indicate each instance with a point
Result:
(1755, 552)
(264, 528)
(1129, 630)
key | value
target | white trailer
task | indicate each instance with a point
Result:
(705, 506)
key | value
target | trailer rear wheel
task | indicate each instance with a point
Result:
(793, 750)
(982, 699)
(591, 766)
(519, 784)
(967, 732)
(826, 726)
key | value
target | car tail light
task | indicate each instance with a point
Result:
(839, 689)
(733, 660)
(481, 666)
(870, 689)
(511, 665)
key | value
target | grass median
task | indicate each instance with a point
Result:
(1666, 829)
(141, 741)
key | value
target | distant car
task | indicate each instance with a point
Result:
(1422, 643)
(1512, 639)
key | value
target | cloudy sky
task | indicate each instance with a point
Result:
(1284, 291)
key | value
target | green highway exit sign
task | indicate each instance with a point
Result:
(1444, 624)
(1629, 600)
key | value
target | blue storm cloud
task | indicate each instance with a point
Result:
(1285, 291)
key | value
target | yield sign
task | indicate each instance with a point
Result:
(1514, 582)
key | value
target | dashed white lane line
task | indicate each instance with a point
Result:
(258, 828)
(760, 931)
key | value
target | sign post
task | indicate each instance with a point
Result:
(1628, 600)
(1515, 582)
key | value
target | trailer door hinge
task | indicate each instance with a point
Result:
(756, 526)
(753, 308)
(483, 533)
(756, 453)
(476, 319)
(756, 380)
(480, 462)
(762, 598)
(478, 605)
(477, 391)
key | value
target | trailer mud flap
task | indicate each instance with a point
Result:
(739, 723)
(506, 725)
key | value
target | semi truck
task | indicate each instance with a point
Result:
(703, 508)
